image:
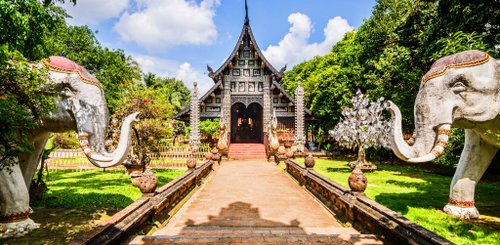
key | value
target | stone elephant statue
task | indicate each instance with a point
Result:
(460, 90)
(80, 106)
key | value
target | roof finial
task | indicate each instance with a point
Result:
(247, 21)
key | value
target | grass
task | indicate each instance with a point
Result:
(79, 201)
(95, 188)
(420, 197)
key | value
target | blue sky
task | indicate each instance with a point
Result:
(178, 38)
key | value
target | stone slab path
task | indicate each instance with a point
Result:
(252, 193)
(253, 202)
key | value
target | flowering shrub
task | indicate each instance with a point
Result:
(155, 119)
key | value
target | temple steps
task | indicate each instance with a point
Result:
(257, 235)
(247, 151)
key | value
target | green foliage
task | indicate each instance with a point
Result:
(208, 128)
(22, 104)
(24, 27)
(391, 51)
(420, 196)
(172, 89)
(26, 24)
(460, 41)
(452, 152)
(95, 188)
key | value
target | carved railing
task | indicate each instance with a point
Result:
(362, 212)
(157, 206)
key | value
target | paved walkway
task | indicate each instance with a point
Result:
(252, 193)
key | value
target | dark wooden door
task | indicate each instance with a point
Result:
(246, 123)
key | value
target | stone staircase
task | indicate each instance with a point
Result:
(256, 235)
(247, 151)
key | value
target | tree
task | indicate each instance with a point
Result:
(32, 31)
(25, 25)
(117, 71)
(363, 126)
(391, 51)
(172, 89)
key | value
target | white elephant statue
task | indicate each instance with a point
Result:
(80, 106)
(460, 90)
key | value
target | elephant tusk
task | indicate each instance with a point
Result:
(443, 135)
(119, 154)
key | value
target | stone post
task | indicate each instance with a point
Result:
(267, 103)
(194, 120)
(299, 117)
(226, 103)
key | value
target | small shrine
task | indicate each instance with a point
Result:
(246, 93)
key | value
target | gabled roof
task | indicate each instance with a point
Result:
(290, 98)
(246, 28)
(214, 75)
(187, 109)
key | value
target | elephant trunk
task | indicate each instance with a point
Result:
(428, 145)
(104, 159)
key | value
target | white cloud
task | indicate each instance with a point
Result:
(91, 12)
(158, 66)
(169, 68)
(188, 75)
(295, 46)
(158, 24)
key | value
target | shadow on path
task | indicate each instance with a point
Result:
(241, 214)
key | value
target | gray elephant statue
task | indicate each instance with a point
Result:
(80, 106)
(460, 90)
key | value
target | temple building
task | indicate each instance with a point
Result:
(246, 93)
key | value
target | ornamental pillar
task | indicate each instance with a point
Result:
(267, 103)
(226, 103)
(194, 120)
(300, 139)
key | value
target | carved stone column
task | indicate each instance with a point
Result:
(266, 100)
(226, 103)
(194, 120)
(300, 139)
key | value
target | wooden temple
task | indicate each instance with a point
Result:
(246, 93)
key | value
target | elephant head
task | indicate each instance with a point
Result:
(81, 106)
(460, 90)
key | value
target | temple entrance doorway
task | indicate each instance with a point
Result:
(246, 123)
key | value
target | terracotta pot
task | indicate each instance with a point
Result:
(309, 161)
(191, 163)
(289, 154)
(357, 180)
(209, 155)
(146, 182)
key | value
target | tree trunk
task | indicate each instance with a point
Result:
(361, 156)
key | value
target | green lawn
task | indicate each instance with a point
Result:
(420, 197)
(79, 201)
(95, 188)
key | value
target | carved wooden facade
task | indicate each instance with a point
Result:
(247, 79)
